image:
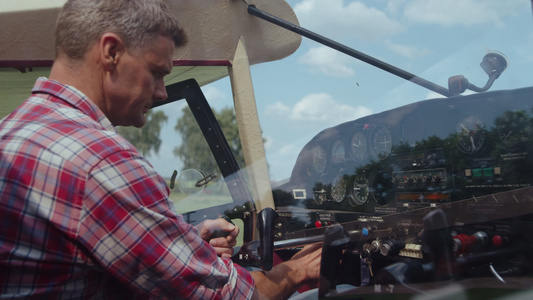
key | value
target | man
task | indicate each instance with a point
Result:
(82, 214)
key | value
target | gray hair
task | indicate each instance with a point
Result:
(80, 23)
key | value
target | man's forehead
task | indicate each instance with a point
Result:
(161, 51)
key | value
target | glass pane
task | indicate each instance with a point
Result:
(173, 142)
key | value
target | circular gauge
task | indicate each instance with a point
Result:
(381, 142)
(470, 134)
(338, 189)
(514, 130)
(338, 152)
(359, 191)
(358, 146)
(319, 194)
(320, 159)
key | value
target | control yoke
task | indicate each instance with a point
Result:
(265, 224)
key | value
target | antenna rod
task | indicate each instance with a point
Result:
(252, 10)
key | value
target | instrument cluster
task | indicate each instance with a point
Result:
(420, 155)
(366, 142)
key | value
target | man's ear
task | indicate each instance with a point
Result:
(112, 49)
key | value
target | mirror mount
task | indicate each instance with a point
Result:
(493, 64)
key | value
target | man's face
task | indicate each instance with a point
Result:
(138, 82)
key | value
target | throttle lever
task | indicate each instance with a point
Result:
(336, 239)
(437, 241)
(265, 224)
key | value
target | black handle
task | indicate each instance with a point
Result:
(437, 241)
(335, 240)
(219, 232)
(265, 224)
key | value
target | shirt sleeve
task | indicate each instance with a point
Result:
(130, 229)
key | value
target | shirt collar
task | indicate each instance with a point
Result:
(74, 97)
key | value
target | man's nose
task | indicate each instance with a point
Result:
(160, 93)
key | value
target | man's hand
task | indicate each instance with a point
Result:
(285, 278)
(309, 258)
(220, 234)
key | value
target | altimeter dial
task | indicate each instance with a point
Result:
(514, 130)
(358, 146)
(320, 159)
(470, 134)
(338, 189)
(381, 142)
(359, 191)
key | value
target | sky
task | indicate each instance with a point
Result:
(317, 87)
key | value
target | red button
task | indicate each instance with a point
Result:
(497, 241)
(318, 224)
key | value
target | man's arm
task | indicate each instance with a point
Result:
(287, 277)
(280, 282)
(132, 231)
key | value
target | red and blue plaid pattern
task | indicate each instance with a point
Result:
(83, 215)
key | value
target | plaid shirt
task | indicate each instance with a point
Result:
(83, 215)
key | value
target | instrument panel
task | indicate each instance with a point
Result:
(429, 193)
(420, 155)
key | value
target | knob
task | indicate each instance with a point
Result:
(391, 247)
(498, 240)
(482, 237)
(366, 231)
(375, 245)
(463, 243)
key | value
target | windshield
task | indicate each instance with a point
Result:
(318, 87)
(348, 142)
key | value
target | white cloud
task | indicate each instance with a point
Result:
(269, 142)
(328, 61)
(322, 107)
(461, 12)
(395, 7)
(278, 108)
(318, 107)
(334, 18)
(407, 50)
